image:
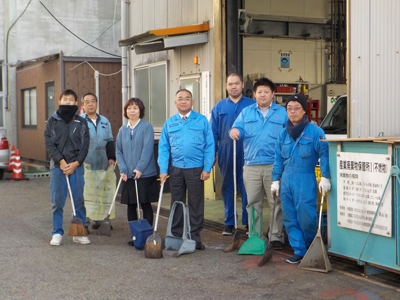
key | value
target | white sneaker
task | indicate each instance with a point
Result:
(56, 240)
(81, 240)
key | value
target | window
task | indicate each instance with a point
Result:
(1, 97)
(49, 99)
(151, 88)
(30, 109)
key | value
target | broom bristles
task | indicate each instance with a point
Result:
(266, 256)
(232, 247)
(153, 250)
(77, 228)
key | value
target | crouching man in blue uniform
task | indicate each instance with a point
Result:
(296, 155)
(187, 139)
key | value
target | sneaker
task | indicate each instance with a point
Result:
(228, 230)
(81, 240)
(246, 228)
(277, 245)
(56, 240)
(295, 259)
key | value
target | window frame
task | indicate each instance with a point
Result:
(30, 126)
(148, 109)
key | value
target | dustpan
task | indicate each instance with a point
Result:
(254, 245)
(183, 244)
(316, 258)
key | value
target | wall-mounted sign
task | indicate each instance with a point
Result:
(361, 180)
(205, 94)
(285, 60)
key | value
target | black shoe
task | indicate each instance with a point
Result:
(246, 228)
(96, 224)
(277, 245)
(295, 259)
(228, 230)
(200, 246)
(87, 229)
(130, 243)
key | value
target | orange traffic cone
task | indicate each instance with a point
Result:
(12, 160)
(17, 171)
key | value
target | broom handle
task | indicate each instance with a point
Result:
(137, 197)
(70, 195)
(115, 195)
(158, 207)
(320, 212)
(234, 181)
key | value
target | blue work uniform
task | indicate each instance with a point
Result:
(259, 134)
(223, 116)
(100, 136)
(295, 163)
(190, 144)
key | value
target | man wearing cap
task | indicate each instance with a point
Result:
(258, 125)
(297, 151)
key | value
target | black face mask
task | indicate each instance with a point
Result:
(67, 112)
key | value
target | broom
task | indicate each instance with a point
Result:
(153, 248)
(76, 228)
(268, 250)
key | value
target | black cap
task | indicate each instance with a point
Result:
(299, 98)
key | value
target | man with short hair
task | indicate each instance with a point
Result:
(67, 142)
(100, 157)
(223, 116)
(258, 125)
(187, 139)
(297, 151)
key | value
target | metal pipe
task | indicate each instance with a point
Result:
(232, 38)
(124, 62)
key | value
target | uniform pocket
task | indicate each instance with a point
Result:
(175, 135)
(286, 149)
(305, 147)
(250, 128)
(197, 134)
(275, 128)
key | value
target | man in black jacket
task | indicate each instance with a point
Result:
(67, 141)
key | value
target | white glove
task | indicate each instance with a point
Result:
(275, 188)
(324, 185)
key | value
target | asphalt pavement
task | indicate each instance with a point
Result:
(108, 268)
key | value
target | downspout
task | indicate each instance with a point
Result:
(124, 62)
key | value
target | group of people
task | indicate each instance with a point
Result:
(276, 154)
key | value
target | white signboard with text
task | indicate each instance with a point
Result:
(361, 180)
(205, 94)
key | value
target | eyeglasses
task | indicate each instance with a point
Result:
(295, 109)
(183, 99)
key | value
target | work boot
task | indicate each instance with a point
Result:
(56, 240)
(228, 230)
(246, 229)
(81, 240)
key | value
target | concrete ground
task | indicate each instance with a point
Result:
(110, 269)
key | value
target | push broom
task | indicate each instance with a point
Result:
(76, 228)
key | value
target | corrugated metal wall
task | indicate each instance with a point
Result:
(374, 67)
(146, 15)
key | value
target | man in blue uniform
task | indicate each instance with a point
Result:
(187, 139)
(296, 154)
(223, 116)
(101, 155)
(258, 125)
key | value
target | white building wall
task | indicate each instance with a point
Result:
(37, 34)
(374, 67)
(145, 15)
